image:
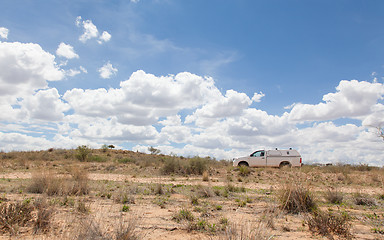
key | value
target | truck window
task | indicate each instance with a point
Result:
(258, 154)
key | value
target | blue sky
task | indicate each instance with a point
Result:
(217, 78)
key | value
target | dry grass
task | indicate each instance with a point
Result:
(296, 198)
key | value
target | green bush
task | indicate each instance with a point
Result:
(82, 152)
(96, 158)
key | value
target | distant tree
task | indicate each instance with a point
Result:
(153, 150)
(111, 146)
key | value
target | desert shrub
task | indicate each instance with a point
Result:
(44, 216)
(159, 189)
(334, 196)
(82, 207)
(124, 197)
(205, 176)
(295, 198)
(329, 224)
(364, 200)
(89, 229)
(96, 158)
(79, 182)
(244, 171)
(197, 165)
(125, 208)
(203, 191)
(126, 160)
(39, 183)
(183, 214)
(243, 231)
(171, 165)
(82, 153)
(14, 215)
(127, 229)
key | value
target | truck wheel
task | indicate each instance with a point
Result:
(243, 164)
(285, 165)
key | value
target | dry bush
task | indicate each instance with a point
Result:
(182, 215)
(244, 171)
(39, 182)
(334, 196)
(205, 176)
(241, 231)
(364, 200)
(44, 216)
(329, 224)
(14, 215)
(295, 198)
(203, 191)
(79, 182)
(125, 230)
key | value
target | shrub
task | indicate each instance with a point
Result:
(363, 200)
(196, 165)
(96, 158)
(295, 198)
(244, 171)
(82, 153)
(205, 176)
(328, 224)
(183, 214)
(14, 215)
(125, 208)
(79, 182)
(171, 165)
(44, 216)
(333, 196)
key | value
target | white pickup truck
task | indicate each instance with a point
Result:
(270, 158)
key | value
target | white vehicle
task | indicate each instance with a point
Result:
(270, 158)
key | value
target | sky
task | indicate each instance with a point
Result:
(216, 78)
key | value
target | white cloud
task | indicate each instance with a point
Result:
(45, 105)
(4, 32)
(67, 51)
(91, 31)
(24, 68)
(258, 96)
(107, 70)
(353, 99)
(105, 37)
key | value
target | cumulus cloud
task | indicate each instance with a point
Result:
(24, 68)
(4, 32)
(353, 99)
(105, 37)
(45, 105)
(107, 70)
(90, 31)
(67, 51)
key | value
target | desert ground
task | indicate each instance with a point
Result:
(115, 194)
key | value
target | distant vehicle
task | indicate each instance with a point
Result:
(270, 158)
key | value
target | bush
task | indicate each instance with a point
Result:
(197, 165)
(82, 153)
(328, 224)
(295, 198)
(363, 200)
(96, 158)
(183, 214)
(333, 196)
(14, 215)
(244, 171)
(44, 216)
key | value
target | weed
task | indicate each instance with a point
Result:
(81, 207)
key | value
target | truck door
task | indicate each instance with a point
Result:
(257, 159)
